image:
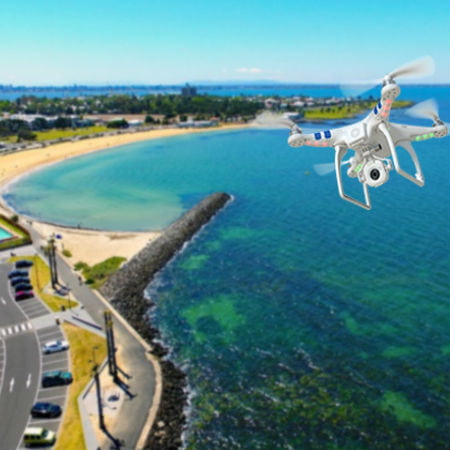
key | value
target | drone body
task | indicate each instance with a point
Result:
(374, 140)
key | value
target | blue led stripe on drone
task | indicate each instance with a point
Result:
(327, 134)
(375, 110)
(317, 136)
(379, 104)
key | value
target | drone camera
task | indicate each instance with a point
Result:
(376, 173)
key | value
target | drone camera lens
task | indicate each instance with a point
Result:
(375, 174)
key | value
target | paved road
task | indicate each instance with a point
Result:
(20, 368)
(21, 363)
(20, 381)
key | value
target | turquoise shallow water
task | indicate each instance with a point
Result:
(303, 322)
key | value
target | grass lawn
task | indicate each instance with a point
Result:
(57, 134)
(82, 343)
(40, 278)
(97, 275)
(21, 239)
(346, 111)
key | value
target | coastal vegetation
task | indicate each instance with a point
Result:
(96, 275)
(167, 105)
(31, 118)
(82, 359)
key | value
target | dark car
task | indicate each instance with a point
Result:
(18, 273)
(23, 263)
(20, 280)
(44, 409)
(56, 378)
(23, 295)
(23, 287)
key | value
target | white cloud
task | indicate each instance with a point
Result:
(248, 70)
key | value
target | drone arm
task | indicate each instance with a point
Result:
(339, 155)
(401, 132)
(418, 179)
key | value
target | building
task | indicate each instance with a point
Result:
(188, 91)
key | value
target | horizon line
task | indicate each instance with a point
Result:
(224, 83)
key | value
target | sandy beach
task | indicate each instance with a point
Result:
(87, 245)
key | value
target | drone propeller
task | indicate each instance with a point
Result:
(425, 110)
(326, 168)
(269, 119)
(417, 68)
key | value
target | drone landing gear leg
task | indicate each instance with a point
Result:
(418, 179)
(339, 155)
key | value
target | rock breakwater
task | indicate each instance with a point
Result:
(125, 290)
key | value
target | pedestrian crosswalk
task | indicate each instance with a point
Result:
(15, 329)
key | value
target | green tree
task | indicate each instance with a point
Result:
(25, 135)
(120, 123)
(63, 122)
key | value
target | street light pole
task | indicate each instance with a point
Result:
(52, 261)
(111, 346)
(101, 419)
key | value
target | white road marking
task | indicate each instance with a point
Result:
(10, 331)
(4, 332)
(16, 328)
(23, 327)
(11, 385)
(54, 397)
(28, 380)
(29, 326)
(3, 301)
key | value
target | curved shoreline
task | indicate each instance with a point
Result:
(85, 244)
(20, 163)
(169, 418)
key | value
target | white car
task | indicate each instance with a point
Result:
(55, 346)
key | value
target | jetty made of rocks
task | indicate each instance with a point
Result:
(125, 290)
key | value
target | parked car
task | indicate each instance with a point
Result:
(23, 287)
(23, 295)
(45, 409)
(23, 263)
(17, 273)
(56, 378)
(38, 436)
(55, 346)
(20, 280)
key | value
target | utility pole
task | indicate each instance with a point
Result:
(112, 363)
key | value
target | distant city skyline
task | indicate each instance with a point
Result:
(151, 43)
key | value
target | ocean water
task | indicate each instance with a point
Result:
(303, 322)
(284, 90)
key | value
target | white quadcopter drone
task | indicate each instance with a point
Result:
(375, 138)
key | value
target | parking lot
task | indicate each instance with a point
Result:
(37, 319)
(32, 307)
(56, 394)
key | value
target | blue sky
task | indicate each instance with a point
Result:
(162, 42)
